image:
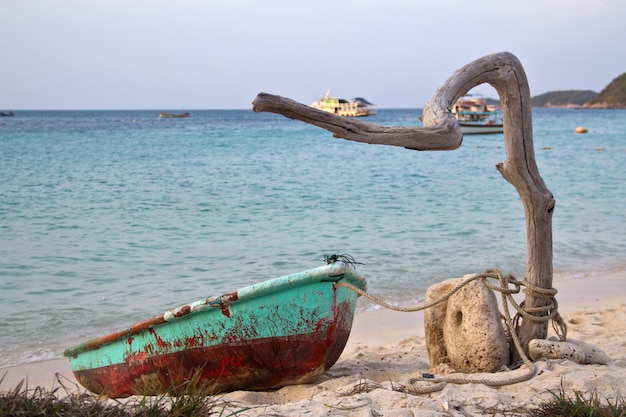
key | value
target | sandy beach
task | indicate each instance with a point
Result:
(387, 349)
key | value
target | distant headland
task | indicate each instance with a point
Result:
(612, 97)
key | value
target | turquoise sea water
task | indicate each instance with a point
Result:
(109, 217)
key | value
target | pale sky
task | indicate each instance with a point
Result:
(210, 54)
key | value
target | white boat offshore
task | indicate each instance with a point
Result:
(356, 107)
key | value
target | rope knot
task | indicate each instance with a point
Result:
(542, 314)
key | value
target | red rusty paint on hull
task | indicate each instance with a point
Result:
(225, 310)
(251, 365)
(267, 346)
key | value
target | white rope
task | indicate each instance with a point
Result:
(538, 315)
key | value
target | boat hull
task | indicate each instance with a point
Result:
(480, 129)
(281, 332)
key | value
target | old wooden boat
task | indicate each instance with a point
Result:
(284, 331)
(174, 115)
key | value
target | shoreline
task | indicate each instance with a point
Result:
(387, 346)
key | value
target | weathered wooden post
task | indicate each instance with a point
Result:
(441, 132)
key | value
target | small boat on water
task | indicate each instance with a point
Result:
(356, 107)
(475, 116)
(284, 331)
(173, 115)
(6, 114)
(482, 127)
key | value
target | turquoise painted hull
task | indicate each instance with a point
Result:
(288, 330)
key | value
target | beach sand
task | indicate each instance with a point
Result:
(386, 349)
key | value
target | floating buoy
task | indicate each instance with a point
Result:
(581, 129)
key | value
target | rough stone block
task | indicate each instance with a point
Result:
(474, 338)
(593, 354)
(572, 349)
(434, 319)
(551, 349)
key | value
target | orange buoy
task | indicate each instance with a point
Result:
(581, 129)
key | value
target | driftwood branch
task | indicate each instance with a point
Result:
(445, 134)
(441, 132)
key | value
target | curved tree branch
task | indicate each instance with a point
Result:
(441, 132)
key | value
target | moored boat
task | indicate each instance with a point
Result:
(173, 115)
(481, 128)
(288, 330)
(356, 107)
(475, 116)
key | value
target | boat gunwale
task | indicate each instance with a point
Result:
(336, 270)
(494, 125)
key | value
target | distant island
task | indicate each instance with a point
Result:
(612, 97)
(567, 98)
